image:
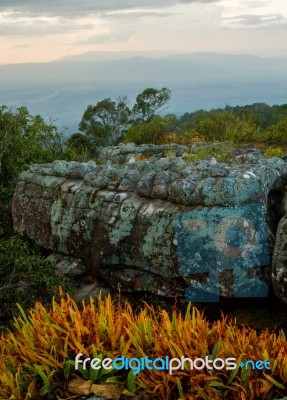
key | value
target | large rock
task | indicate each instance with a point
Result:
(161, 224)
(279, 265)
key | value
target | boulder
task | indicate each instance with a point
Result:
(161, 224)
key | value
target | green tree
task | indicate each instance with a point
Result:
(189, 122)
(81, 147)
(278, 132)
(223, 125)
(105, 123)
(25, 139)
(149, 131)
(149, 102)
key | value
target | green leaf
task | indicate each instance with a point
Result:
(94, 374)
(85, 372)
(179, 388)
(216, 383)
(67, 368)
(131, 381)
(245, 376)
(276, 383)
(113, 379)
(232, 375)
(215, 350)
(46, 389)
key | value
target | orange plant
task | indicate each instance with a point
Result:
(43, 341)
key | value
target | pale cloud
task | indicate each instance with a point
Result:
(259, 10)
(256, 20)
(84, 7)
(21, 46)
(109, 37)
(136, 13)
(15, 24)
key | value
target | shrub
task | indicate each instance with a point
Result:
(25, 276)
(46, 342)
(150, 131)
(274, 152)
(277, 133)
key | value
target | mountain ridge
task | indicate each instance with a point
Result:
(62, 89)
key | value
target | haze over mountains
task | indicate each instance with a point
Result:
(61, 90)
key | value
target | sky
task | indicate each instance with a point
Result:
(40, 31)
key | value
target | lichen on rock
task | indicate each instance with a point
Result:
(125, 214)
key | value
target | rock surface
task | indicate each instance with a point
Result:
(279, 269)
(159, 223)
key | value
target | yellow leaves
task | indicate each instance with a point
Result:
(44, 341)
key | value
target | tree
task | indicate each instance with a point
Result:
(278, 132)
(223, 125)
(149, 102)
(25, 139)
(81, 146)
(150, 131)
(106, 122)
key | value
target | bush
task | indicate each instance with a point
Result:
(148, 132)
(6, 228)
(278, 132)
(44, 345)
(25, 276)
(274, 152)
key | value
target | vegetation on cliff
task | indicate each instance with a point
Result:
(110, 122)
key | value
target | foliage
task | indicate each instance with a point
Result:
(264, 115)
(6, 228)
(81, 147)
(278, 132)
(273, 152)
(149, 102)
(25, 276)
(25, 139)
(255, 122)
(45, 341)
(111, 121)
(148, 132)
(105, 122)
(222, 125)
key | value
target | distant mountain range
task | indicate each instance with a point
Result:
(61, 90)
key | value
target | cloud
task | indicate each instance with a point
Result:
(21, 46)
(136, 13)
(109, 37)
(13, 24)
(255, 20)
(79, 8)
(37, 19)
